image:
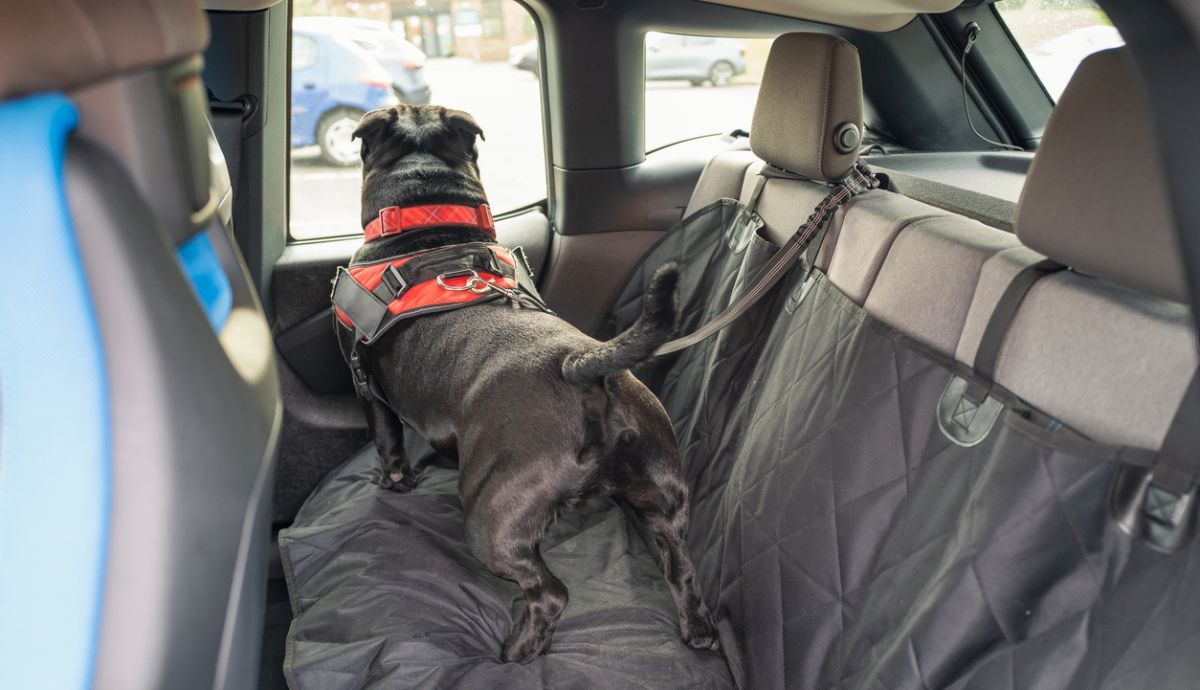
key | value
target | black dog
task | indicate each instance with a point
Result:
(539, 415)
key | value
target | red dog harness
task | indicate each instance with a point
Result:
(371, 297)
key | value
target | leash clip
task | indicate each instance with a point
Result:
(475, 283)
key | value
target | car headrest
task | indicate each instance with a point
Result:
(56, 46)
(1095, 198)
(808, 118)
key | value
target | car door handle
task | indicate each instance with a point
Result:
(309, 86)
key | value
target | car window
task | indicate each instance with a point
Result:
(304, 52)
(483, 61)
(698, 85)
(1056, 35)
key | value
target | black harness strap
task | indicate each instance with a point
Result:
(363, 307)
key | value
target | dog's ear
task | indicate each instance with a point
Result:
(462, 122)
(373, 123)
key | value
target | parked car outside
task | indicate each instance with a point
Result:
(525, 57)
(670, 57)
(403, 60)
(334, 82)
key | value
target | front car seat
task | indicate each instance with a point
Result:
(139, 404)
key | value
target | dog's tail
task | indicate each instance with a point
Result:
(638, 343)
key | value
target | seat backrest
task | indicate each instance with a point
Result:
(138, 550)
(844, 531)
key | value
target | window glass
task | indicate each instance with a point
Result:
(349, 57)
(369, 46)
(1056, 35)
(304, 52)
(698, 85)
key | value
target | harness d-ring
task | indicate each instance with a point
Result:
(475, 283)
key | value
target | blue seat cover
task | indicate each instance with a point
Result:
(54, 418)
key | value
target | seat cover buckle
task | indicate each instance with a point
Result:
(964, 418)
(1167, 517)
(1162, 518)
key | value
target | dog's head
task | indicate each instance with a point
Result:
(416, 155)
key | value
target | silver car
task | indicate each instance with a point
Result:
(670, 57)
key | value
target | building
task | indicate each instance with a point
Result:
(482, 30)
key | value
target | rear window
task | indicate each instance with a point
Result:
(1056, 35)
(700, 85)
(349, 58)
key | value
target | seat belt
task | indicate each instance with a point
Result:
(859, 180)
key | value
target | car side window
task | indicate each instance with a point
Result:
(369, 46)
(1056, 36)
(304, 52)
(385, 54)
(700, 85)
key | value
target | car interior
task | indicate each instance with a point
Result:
(955, 445)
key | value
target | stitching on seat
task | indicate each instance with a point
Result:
(96, 44)
(825, 110)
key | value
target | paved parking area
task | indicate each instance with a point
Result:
(506, 102)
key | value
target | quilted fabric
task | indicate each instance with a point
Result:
(386, 595)
(845, 542)
(841, 538)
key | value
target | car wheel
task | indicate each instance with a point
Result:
(720, 74)
(335, 136)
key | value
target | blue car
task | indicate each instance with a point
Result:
(403, 60)
(334, 82)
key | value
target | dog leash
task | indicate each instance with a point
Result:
(860, 179)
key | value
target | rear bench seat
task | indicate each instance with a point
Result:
(841, 537)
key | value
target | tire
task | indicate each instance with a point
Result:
(333, 136)
(721, 73)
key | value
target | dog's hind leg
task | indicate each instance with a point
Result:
(660, 500)
(387, 430)
(517, 557)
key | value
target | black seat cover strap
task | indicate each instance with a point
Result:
(997, 327)
(1178, 465)
(752, 202)
(1157, 503)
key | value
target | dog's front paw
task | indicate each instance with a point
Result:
(393, 481)
(699, 632)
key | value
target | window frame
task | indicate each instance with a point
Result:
(545, 204)
(1024, 54)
